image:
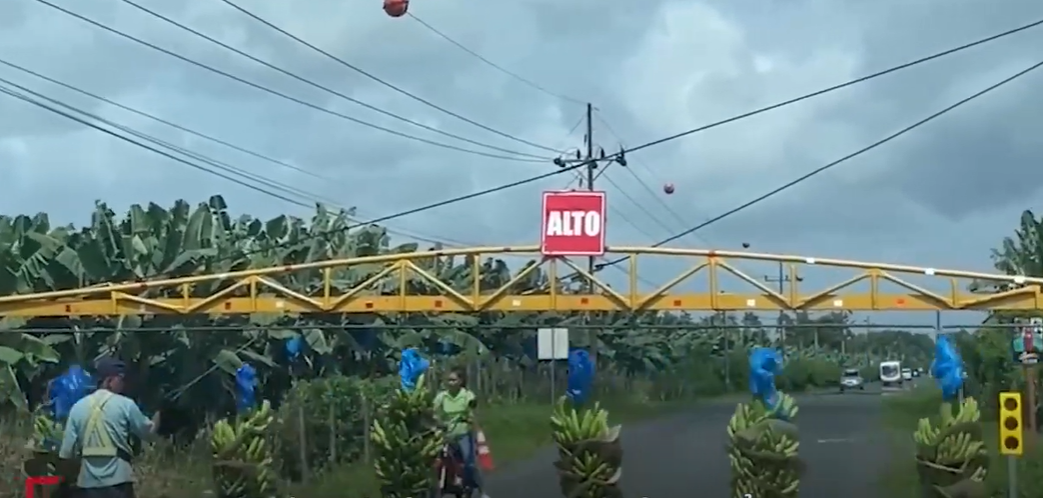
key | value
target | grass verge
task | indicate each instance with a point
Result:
(901, 414)
(515, 433)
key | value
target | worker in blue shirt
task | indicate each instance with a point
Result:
(98, 431)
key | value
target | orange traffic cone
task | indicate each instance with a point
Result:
(485, 457)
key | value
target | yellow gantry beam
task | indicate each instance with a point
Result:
(389, 280)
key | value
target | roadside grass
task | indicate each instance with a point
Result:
(901, 414)
(515, 433)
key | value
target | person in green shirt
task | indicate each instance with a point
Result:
(455, 407)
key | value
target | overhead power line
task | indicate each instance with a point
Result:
(492, 64)
(272, 188)
(187, 162)
(516, 156)
(311, 83)
(376, 79)
(171, 124)
(834, 88)
(850, 156)
(573, 167)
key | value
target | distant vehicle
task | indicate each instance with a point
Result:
(891, 373)
(916, 373)
(851, 379)
(907, 374)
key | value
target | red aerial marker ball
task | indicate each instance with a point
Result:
(396, 8)
(668, 188)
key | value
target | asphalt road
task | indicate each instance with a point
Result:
(841, 441)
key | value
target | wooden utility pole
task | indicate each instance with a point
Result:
(591, 165)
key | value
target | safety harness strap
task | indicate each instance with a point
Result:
(95, 438)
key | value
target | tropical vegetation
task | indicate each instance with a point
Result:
(326, 397)
(991, 368)
(186, 355)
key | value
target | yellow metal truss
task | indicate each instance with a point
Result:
(260, 290)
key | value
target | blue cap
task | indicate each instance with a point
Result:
(108, 366)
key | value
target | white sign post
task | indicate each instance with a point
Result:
(552, 344)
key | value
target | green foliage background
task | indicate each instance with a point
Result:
(185, 362)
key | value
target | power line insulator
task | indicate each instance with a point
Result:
(621, 158)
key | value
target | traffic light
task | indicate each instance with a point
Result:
(1011, 428)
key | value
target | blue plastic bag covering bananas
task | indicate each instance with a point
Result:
(765, 363)
(581, 376)
(294, 347)
(245, 386)
(67, 389)
(947, 368)
(410, 368)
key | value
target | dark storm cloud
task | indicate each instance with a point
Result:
(652, 68)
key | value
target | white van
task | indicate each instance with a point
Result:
(891, 373)
(907, 374)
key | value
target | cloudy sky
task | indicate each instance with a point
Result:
(940, 196)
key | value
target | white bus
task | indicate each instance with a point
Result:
(891, 373)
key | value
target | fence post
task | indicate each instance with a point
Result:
(366, 417)
(302, 442)
(332, 421)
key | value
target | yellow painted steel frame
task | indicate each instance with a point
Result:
(255, 291)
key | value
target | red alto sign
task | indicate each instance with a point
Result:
(573, 224)
(41, 482)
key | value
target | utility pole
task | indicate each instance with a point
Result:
(781, 280)
(591, 165)
(589, 161)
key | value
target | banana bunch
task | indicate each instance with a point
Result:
(243, 456)
(569, 426)
(763, 450)
(47, 433)
(406, 442)
(951, 453)
(590, 455)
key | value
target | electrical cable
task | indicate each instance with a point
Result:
(102, 26)
(644, 185)
(171, 124)
(492, 64)
(572, 167)
(852, 155)
(327, 89)
(229, 171)
(374, 221)
(834, 88)
(374, 78)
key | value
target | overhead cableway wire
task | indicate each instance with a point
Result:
(528, 158)
(281, 191)
(492, 64)
(376, 79)
(850, 156)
